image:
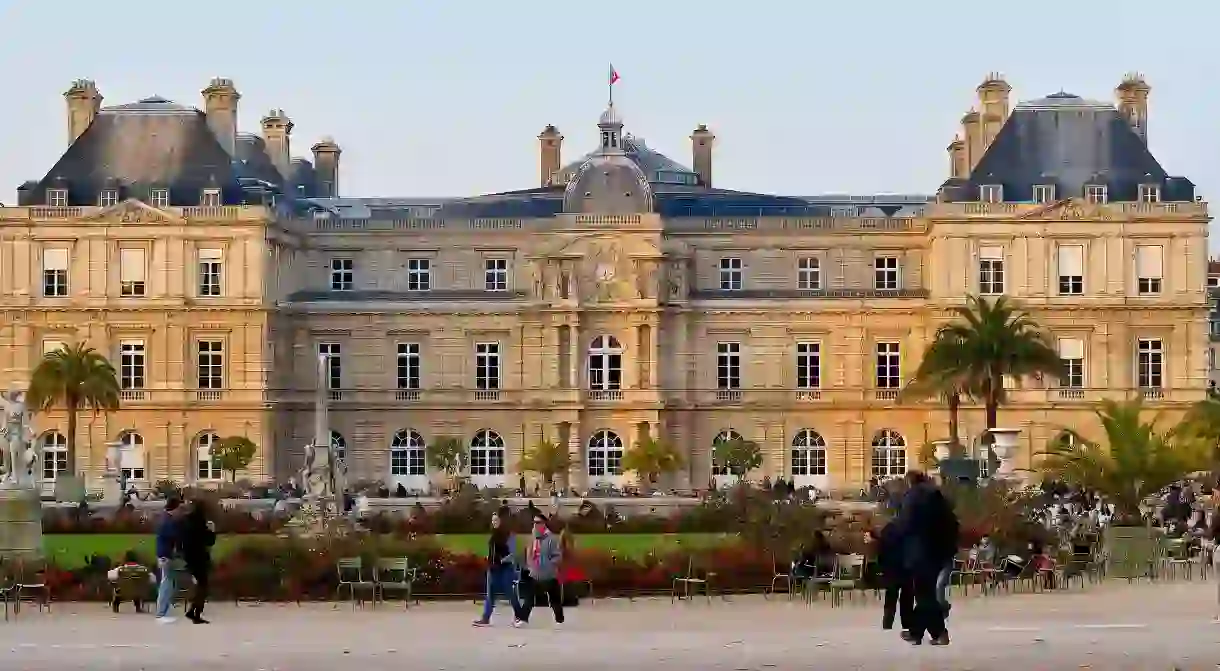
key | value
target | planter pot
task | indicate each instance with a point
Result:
(1004, 445)
(942, 449)
(1132, 552)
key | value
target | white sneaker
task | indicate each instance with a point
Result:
(167, 619)
(517, 624)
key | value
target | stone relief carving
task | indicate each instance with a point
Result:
(604, 273)
(675, 277)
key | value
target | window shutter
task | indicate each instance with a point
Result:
(209, 255)
(1148, 262)
(131, 265)
(1071, 348)
(54, 259)
(49, 346)
(1071, 261)
(991, 253)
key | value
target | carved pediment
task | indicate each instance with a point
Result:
(132, 211)
(1070, 209)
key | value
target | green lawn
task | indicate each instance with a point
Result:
(72, 549)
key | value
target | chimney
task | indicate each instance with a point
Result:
(277, 129)
(702, 141)
(326, 168)
(972, 129)
(993, 98)
(84, 101)
(220, 105)
(550, 145)
(958, 166)
(1133, 103)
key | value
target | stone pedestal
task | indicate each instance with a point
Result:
(20, 523)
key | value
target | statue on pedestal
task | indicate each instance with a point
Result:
(17, 436)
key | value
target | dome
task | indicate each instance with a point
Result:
(1062, 100)
(608, 184)
(610, 117)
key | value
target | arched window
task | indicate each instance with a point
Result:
(889, 454)
(808, 454)
(54, 454)
(605, 454)
(486, 454)
(407, 453)
(339, 444)
(131, 455)
(721, 470)
(208, 465)
(605, 364)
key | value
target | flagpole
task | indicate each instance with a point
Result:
(610, 78)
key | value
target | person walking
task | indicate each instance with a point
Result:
(198, 537)
(542, 563)
(501, 568)
(168, 541)
(925, 529)
(899, 593)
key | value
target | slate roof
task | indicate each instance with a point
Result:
(148, 144)
(1069, 142)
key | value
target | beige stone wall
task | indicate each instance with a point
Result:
(652, 285)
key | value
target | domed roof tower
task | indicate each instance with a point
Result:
(608, 181)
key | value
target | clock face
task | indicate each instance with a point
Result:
(605, 272)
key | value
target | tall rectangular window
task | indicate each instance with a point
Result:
(55, 272)
(495, 274)
(809, 274)
(131, 364)
(342, 274)
(728, 365)
(211, 364)
(1044, 193)
(210, 198)
(808, 365)
(57, 197)
(210, 267)
(334, 366)
(409, 366)
(1070, 261)
(1095, 194)
(159, 197)
(991, 193)
(1150, 363)
(419, 275)
(132, 272)
(885, 273)
(487, 366)
(49, 346)
(1148, 269)
(991, 271)
(731, 273)
(1150, 193)
(1071, 350)
(108, 198)
(889, 365)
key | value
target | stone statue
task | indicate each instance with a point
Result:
(315, 474)
(20, 456)
(539, 282)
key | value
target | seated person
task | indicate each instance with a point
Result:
(985, 552)
(816, 559)
(130, 560)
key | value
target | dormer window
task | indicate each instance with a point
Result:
(991, 193)
(1150, 193)
(159, 197)
(108, 198)
(210, 198)
(57, 197)
(1044, 193)
(1095, 193)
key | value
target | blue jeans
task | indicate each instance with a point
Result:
(499, 583)
(165, 588)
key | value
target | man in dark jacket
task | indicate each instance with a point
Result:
(899, 595)
(926, 525)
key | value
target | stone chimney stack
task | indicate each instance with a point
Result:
(1133, 103)
(993, 98)
(326, 167)
(220, 105)
(702, 141)
(973, 132)
(277, 131)
(84, 102)
(958, 164)
(550, 147)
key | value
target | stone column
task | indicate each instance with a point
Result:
(576, 356)
(550, 357)
(576, 471)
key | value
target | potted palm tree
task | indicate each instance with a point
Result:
(649, 459)
(74, 377)
(1136, 460)
(547, 459)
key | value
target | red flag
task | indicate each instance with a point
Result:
(613, 75)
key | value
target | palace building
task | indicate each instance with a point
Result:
(623, 295)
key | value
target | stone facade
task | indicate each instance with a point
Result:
(623, 297)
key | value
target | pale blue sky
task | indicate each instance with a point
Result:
(436, 98)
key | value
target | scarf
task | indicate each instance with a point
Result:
(536, 549)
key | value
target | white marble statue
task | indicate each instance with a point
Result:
(17, 436)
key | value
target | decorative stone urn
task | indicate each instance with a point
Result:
(942, 448)
(1004, 444)
(112, 489)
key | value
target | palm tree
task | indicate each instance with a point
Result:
(649, 458)
(943, 372)
(547, 459)
(1202, 422)
(1137, 460)
(991, 341)
(74, 376)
